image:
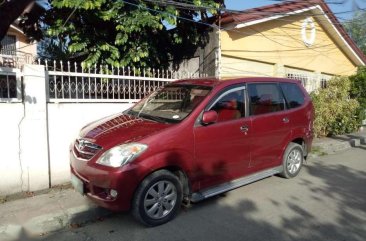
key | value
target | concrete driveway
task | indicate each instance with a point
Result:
(327, 201)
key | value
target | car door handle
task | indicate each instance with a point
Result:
(244, 128)
(285, 120)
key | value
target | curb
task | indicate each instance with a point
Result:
(326, 146)
(52, 222)
(70, 217)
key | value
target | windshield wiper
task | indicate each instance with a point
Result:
(154, 118)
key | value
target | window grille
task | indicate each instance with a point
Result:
(8, 45)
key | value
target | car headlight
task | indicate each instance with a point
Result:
(121, 155)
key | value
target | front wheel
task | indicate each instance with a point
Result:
(158, 198)
(293, 159)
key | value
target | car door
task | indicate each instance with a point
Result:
(271, 125)
(222, 149)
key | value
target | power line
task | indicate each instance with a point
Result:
(212, 25)
(232, 30)
(263, 14)
(254, 11)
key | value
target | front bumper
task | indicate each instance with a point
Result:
(97, 181)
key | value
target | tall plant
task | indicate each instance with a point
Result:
(336, 113)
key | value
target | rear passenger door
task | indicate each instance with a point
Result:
(271, 125)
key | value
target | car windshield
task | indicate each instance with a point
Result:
(170, 104)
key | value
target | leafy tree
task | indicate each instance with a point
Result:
(356, 28)
(53, 48)
(131, 32)
(358, 89)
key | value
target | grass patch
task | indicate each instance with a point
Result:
(318, 151)
(2, 199)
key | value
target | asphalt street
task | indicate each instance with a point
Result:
(327, 201)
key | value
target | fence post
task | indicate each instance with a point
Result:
(34, 133)
(317, 80)
(279, 71)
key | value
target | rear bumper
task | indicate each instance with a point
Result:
(308, 144)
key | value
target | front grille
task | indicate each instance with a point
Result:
(84, 149)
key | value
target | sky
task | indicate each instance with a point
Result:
(343, 9)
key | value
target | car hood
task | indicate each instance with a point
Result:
(120, 128)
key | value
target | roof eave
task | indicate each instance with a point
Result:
(347, 45)
(15, 28)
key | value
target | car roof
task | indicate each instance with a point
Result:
(230, 81)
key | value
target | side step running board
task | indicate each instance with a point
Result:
(209, 192)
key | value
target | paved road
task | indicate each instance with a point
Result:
(327, 201)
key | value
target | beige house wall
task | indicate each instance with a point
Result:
(280, 42)
(23, 45)
(233, 66)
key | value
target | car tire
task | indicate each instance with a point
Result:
(157, 199)
(293, 160)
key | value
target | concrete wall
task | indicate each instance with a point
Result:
(35, 135)
(64, 123)
(205, 63)
(11, 168)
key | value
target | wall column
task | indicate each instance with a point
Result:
(34, 134)
(279, 71)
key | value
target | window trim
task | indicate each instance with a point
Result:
(221, 93)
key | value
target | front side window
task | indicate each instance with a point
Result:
(293, 94)
(265, 98)
(230, 105)
(171, 104)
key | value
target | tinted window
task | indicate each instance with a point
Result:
(230, 105)
(265, 98)
(294, 96)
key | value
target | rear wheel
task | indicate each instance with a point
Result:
(158, 198)
(293, 159)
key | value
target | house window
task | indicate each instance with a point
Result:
(8, 87)
(8, 45)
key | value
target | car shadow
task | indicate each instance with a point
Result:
(325, 202)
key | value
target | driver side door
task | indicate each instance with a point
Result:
(222, 149)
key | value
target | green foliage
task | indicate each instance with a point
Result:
(335, 112)
(358, 86)
(52, 48)
(121, 34)
(356, 28)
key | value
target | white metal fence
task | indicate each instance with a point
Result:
(310, 80)
(71, 82)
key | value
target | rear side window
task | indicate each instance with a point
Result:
(294, 96)
(265, 98)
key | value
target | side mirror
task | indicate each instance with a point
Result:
(209, 117)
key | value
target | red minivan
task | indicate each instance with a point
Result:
(191, 140)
